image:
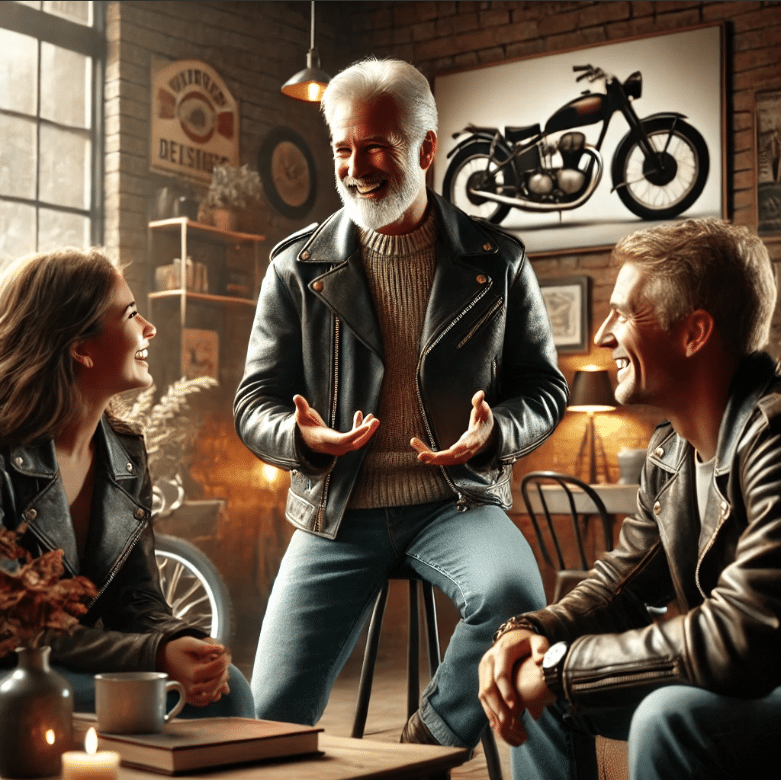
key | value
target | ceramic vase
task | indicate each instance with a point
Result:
(36, 717)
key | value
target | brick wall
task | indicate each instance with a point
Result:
(255, 47)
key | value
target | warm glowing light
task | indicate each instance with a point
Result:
(50, 736)
(91, 742)
(270, 473)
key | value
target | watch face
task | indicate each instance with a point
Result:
(554, 655)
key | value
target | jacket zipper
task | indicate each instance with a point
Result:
(663, 672)
(120, 562)
(479, 324)
(461, 501)
(331, 422)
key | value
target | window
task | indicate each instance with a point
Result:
(51, 100)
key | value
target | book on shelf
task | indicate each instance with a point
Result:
(200, 743)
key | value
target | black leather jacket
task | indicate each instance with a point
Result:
(726, 580)
(129, 618)
(316, 333)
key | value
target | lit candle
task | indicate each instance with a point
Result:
(92, 765)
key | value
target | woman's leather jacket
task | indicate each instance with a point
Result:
(725, 575)
(316, 333)
(129, 617)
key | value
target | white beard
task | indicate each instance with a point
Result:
(371, 214)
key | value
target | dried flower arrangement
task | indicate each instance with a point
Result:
(232, 187)
(34, 595)
(168, 425)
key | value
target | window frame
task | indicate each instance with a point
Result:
(90, 42)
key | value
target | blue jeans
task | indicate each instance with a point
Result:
(675, 733)
(325, 589)
(238, 703)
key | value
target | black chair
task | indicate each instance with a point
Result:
(540, 489)
(413, 655)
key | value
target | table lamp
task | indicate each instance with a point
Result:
(591, 392)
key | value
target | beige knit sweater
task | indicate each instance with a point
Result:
(400, 270)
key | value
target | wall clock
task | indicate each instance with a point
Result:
(287, 170)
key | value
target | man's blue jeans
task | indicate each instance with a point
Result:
(238, 703)
(325, 589)
(675, 733)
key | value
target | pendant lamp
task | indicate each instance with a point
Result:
(308, 84)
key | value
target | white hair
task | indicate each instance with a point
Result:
(370, 79)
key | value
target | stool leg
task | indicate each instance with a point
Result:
(491, 752)
(369, 662)
(413, 652)
(432, 632)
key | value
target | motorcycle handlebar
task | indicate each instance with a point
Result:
(591, 73)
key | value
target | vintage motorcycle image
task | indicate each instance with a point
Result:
(659, 168)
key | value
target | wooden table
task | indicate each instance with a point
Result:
(343, 759)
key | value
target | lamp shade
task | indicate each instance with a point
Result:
(591, 392)
(308, 84)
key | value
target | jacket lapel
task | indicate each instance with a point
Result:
(343, 286)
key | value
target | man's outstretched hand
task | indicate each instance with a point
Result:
(473, 441)
(320, 438)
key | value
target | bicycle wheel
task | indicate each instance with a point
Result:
(193, 587)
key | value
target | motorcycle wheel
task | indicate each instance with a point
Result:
(193, 587)
(662, 194)
(473, 166)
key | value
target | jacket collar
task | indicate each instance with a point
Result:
(40, 460)
(337, 237)
(342, 285)
(752, 379)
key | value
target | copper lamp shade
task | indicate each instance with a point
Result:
(308, 84)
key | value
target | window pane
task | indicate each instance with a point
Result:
(18, 72)
(63, 176)
(80, 12)
(65, 86)
(17, 157)
(17, 231)
(58, 229)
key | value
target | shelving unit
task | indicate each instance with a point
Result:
(203, 322)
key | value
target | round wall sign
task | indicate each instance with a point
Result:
(287, 170)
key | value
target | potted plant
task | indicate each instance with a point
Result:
(232, 188)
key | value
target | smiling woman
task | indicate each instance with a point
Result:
(76, 479)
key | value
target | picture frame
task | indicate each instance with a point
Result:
(519, 93)
(567, 303)
(767, 121)
(287, 171)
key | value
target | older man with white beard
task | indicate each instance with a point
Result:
(400, 361)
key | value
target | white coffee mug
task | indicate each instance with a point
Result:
(135, 702)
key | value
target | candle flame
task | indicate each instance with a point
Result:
(50, 736)
(91, 742)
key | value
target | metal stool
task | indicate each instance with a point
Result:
(413, 666)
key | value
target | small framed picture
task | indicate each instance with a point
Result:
(200, 353)
(768, 162)
(567, 302)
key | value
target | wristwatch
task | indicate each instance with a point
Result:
(552, 666)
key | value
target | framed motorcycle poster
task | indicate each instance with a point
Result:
(573, 150)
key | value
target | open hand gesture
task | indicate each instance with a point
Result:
(320, 438)
(481, 425)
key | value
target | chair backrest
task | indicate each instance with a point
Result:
(559, 506)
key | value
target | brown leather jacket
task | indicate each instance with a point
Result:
(130, 617)
(725, 575)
